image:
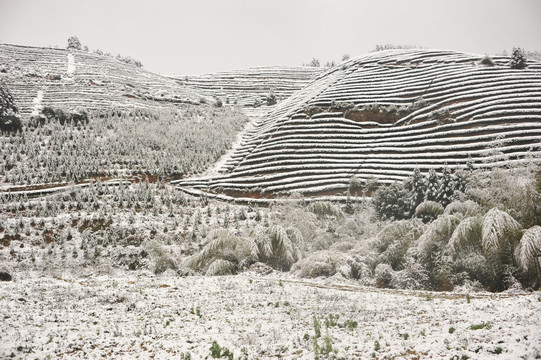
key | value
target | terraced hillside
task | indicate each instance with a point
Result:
(384, 114)
(137, 124)
(40, 77)
(251, 86)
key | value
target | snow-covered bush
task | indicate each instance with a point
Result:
(513, 190)
(224, 253)
(487, 61)
(428, 210)
(162, 260)
(391, 202)
(271, 99)
(466, 208)
(384, 275)
(277, 246)
(321, 263)
(413, 275)
(400, 200)
(325, 209)
(312, 110)
(394, 240)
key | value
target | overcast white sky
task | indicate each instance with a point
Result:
(191, 37)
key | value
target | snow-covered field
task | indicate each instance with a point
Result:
(139, 315)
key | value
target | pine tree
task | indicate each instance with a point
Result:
(432, 186)
(417, 187)
(518, 59)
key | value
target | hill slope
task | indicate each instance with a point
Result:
(248, 86)
(139, 124)
(61, 78)
(383, 115)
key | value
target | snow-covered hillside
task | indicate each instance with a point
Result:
(71, 78)
(384, 114)
(249, 87)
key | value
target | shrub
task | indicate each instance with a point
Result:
(74, 43)
(394, 240)
(277, 246)
(466, 208)
(487, 60)
(162, 261)
(325, 209)
(271, 99)
(512, 190)
(400, 200)
(413, 276)
(530, 248)
(391, 202)
(321, 263)
(217, 352)
(518, 59)
(384, 275)
(497, 236)
(428, 210)
(312, 110)
(482, 325)
(224, 253)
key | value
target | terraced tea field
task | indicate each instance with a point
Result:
(383, 115)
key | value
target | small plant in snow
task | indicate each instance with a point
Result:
(483, 325)
(217, 352)
(317, 327)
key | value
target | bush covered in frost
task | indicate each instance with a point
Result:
(400, 200)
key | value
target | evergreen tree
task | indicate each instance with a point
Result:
(416, 185)
(432, 186)
(9, 119)
(518, 59)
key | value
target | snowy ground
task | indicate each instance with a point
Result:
(139, 315)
